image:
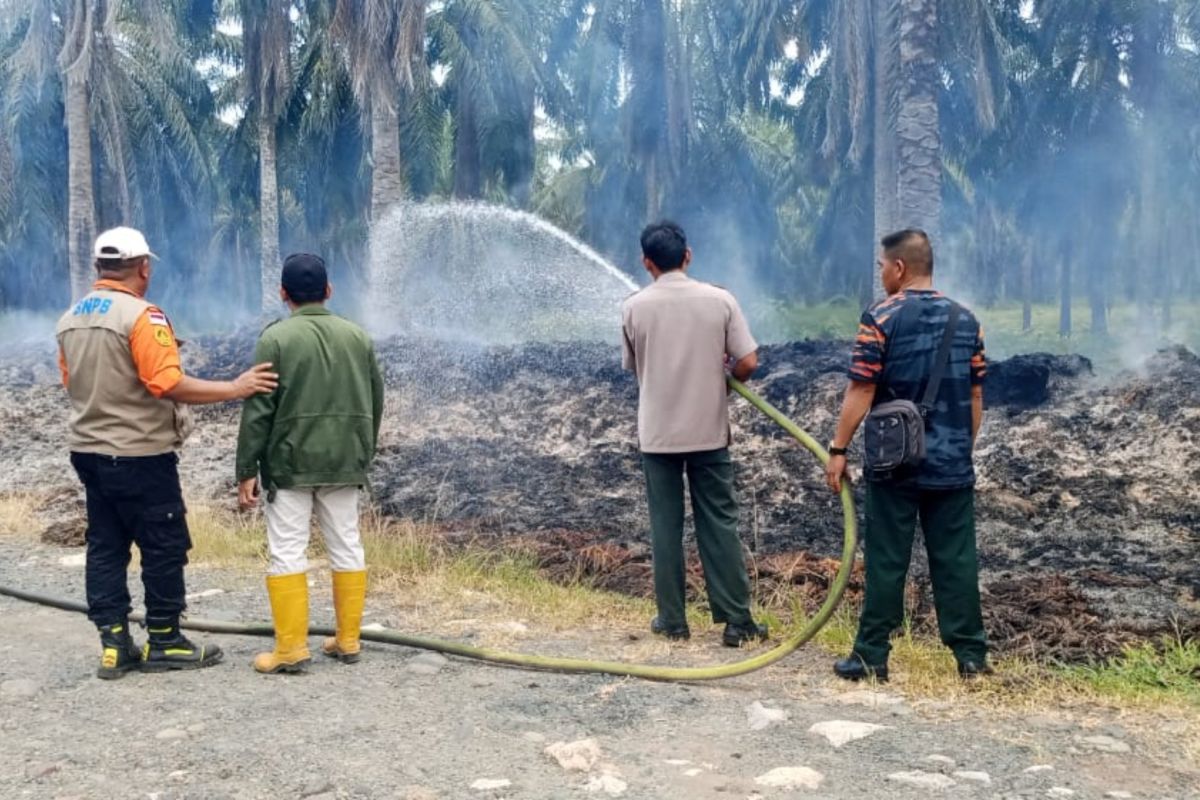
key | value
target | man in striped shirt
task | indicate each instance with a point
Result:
(894, 353)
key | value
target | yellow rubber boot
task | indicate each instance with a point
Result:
(349, 595)
(289, 608)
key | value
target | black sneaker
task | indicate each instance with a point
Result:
(168, 649)
(736, 635)
(675, 633)
(120, 652)
(853, 668)
(971, 670)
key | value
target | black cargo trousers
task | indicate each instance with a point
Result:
(133, 500)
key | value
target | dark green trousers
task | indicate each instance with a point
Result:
(948, 524)
(714, 507)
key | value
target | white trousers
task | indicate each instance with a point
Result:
(289, 520)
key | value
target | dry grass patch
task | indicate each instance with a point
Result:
(412, 564)
(19, 514)
(221, 538)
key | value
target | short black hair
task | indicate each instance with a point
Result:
(665, 244)
(117, 265)
(911, 246)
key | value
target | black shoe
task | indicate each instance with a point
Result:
(120, 652)
(971, 670)
(168, 649)
(736, 635)
(675, 633)
(853, 668)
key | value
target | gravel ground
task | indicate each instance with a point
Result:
(404, 724)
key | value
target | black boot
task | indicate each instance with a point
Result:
(970, 670)
(673, 632)
(738, 634)
(120, 652)
(854, 668)
(169, 649)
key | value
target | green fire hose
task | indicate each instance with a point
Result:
(580, 665)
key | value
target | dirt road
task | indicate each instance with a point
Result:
(403, 724)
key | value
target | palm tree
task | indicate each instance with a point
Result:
(886, 62)
(83, 37)
(126, 83)
(491, 49)
(266, 56)
(33, 158)
(384, 46)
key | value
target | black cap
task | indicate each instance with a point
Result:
(304, 278)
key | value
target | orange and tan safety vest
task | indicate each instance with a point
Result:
(118, 357)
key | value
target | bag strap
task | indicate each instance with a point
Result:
(941, 361)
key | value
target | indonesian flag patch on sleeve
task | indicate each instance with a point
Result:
(158, 318)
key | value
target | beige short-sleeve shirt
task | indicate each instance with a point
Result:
(677, 333)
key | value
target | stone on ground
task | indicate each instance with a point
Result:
(922, 780)
(579, 756)
(608, 783)
(791, 778)
(491, 784)
(840, 731)
(760, 717)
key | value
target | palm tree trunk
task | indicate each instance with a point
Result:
(387, 174)
(268, 192)
(75, 62)
(918, 136)
(1149, 246)
(81, 206)
(1027, 289)
(884, 144)
(1098, 300)
(468, 182)
(1064, 315)
(654, 186)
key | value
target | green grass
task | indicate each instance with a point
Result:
(1168, 668)
(1122, 347)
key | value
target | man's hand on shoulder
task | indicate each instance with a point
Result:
(257, 380)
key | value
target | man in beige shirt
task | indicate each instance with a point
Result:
(678, 335)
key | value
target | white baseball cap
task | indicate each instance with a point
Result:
(121, 244)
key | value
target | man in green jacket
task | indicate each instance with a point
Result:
(309, 444)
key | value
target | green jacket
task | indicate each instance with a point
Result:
(320, 427)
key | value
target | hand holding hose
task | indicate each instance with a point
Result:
(835, 473)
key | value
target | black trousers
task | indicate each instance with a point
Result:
(133, 501)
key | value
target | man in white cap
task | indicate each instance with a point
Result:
(120, 365)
